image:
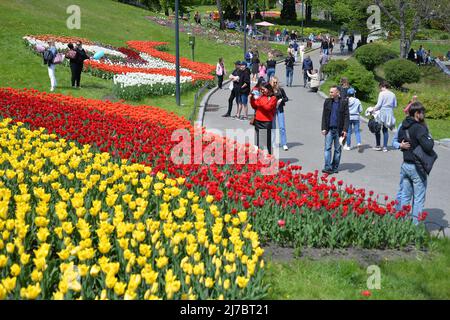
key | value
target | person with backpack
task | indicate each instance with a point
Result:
(49, 57)
(415, 169)
(355, 108)
(279, 116)
(324, 46)
(234, 88)
(289, 63)
(81, 56)
(307, 67)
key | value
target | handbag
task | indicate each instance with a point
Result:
(59, 58)
(423, 159)
(71, 54)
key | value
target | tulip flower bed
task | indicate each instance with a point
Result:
(289, 207)
(136, 74)
(77, 223)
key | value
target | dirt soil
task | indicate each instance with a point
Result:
(364, 257)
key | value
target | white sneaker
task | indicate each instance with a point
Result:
(385, 150)
(347, 148)
(377, 148)
(285, 148)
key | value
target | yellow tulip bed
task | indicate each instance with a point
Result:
(78, 224)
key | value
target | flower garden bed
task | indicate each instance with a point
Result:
(77, 223)
(289, 207)
(137, 71)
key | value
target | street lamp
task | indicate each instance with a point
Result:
(302, 18)
(177, 54)
(245, 27)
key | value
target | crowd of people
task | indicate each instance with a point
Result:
(254, 82)
(421, 56)
(76, 56)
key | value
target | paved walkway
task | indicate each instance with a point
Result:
(368, 169)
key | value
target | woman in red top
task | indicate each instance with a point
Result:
(265, 107)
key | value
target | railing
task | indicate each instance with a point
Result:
(198, 94)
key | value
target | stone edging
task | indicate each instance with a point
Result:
(443, 142)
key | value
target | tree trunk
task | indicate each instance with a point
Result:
(219, 8)
(308, 12)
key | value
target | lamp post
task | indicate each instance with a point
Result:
(245, 27)
(177, 54)
(302, 18)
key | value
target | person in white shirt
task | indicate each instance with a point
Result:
(387, 101)
(220, 72)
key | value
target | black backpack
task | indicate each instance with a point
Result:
(289, 63)
(48, 56)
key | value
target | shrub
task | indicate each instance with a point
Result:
(437, 107)
(400, 71)
(372, 55)
(360, 79)
(335, 67)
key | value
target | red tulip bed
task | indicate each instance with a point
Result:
(137, 71)
(290, 207)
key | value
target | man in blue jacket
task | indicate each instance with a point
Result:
(307, 67)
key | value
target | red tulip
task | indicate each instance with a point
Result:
(281, 223)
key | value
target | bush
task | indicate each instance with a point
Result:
(335, 67)
(372, 55)
(437, 107)
(400, 71)
(362, 80)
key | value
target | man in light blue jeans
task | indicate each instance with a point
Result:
(413, 175)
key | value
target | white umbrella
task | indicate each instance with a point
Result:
(264, 24)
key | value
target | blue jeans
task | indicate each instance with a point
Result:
(353, 124)
(332, 137)
(270, 73)
(325, 51)
(413, 189)
(289, 76)
(282, 125)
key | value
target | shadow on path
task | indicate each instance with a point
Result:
(351, 167)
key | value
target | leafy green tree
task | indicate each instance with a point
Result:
(288, 10)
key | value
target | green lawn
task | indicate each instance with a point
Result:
(426, 277)
(101, 20)
(437, 47)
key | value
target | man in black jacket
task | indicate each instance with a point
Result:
(335, 122)
(235, 90)
(412, 174)
(80, 57)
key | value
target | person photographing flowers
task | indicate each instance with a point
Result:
(265, 108)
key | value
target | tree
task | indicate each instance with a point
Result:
(408, 16)
(288, 10)
(219, 8)
(353, 15)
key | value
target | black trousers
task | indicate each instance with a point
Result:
(220, 81)
(264, 135)
(233, 95)
(76, 69)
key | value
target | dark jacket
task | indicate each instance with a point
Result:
(81, 56)
(271, 64)
(343, 115)
(289, 62)
(244, 78)
(236, 72)
(419, 134)
(307, 64)
(281, 94)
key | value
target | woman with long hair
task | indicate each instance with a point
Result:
(220, 72)
(279, 116)
(265, 108)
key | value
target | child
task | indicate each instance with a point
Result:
(355, 108)
(262, 71)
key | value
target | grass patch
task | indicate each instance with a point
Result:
(20, 68)
(425, 277)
